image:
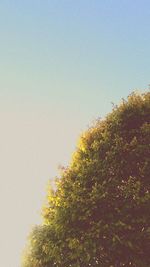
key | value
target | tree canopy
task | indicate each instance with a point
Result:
(99, 213)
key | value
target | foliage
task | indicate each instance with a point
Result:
(99, 214)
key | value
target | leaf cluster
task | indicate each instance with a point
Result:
(99, 214)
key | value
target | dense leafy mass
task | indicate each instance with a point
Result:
(99, 213)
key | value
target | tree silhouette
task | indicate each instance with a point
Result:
(99, 213)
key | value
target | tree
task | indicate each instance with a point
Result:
(99, 213)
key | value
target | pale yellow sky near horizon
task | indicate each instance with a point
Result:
(31, 148)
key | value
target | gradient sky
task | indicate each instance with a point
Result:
(62, 64)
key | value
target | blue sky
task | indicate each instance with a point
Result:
(69, 51)
(62, 64)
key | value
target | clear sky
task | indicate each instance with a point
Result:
(62, 63)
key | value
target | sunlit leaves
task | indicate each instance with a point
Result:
(98, 214)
